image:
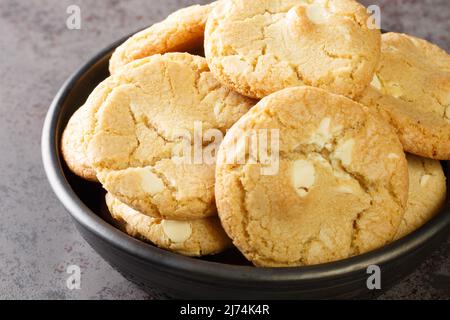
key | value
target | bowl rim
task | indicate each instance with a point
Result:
(173, 263)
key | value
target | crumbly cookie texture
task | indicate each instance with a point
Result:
(73, 146)
(412, 90)
(194, 238)
(341, 189)
(143, 117)
(260, 47)
(79, 131)
(182, 31)
(427, 193)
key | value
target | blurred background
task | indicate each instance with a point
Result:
(37, 53)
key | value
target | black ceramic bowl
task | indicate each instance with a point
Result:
(227, 275)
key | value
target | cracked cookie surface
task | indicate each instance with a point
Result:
(142, 116)
(427, 193)
(182, 31)
(260, 47)
(73, 147)
(412, 90)
(194, 238)
(341, 188)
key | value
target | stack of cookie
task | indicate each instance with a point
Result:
(287, 140)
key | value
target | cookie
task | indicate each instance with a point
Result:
(412, 90)
(194, 238)
(427, 193)
(155, 124)
(260, 47)
(79, 130)
(73, 147)
(340, 189)
(182, 31)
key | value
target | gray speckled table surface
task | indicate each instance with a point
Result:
(37, 53)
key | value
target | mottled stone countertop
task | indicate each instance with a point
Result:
(37, 53)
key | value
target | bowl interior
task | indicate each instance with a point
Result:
(93, 195)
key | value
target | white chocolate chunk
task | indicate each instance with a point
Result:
(302, 193)
(323, 135)
(395, 90)
(293, 14)
(295, 17)
(345, 189)
(424, 180)
(151, 183)
(344, 152)
(393, 156)
(317, 14)
(376, 83)
(303, 176)
(177, 231)
(324, 128)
